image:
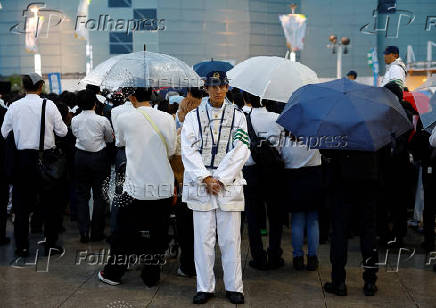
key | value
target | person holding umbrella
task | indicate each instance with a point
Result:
(215, 146)
(347, 122)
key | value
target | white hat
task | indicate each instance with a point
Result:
(35, 77)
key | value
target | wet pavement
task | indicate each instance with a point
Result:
(68, 284)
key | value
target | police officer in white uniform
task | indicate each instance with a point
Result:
(396, 70)
(215, 146)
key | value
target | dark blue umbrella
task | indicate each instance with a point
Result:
(344, 115)
(203, 68)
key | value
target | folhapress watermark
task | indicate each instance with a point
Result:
(106, 23)
(39, 20)
(103, 257)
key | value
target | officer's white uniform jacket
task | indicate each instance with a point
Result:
(396, 72)
(229, 132)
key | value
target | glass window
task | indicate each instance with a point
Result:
(148, 19)
(120, 43)
(119, 3)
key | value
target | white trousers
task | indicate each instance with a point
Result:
(206, 226)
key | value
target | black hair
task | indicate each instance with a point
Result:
(252, 99)
(29, 86)
(117, 99)
(238, 100)
(93, 88)
(395, 89)
(53, 97)
(196, 92)
(69, 98)
(273, 106)
(143, 94)
(63, 109)
(172, 108)
(86, 99)
(352, 73)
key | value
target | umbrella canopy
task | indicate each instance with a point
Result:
(95, 77)
(143, 69)
(419, 101)
(204, 68)
(429, 118)
(344, 115)
(271, 78)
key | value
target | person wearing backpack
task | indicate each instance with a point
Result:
(261, 172)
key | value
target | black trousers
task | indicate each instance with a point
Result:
(185, 230)
(120, 172)
(26, 191)
(257, 193)
(362, 197)
(92, 169)
(429, 183)
(4, 200)
(142, 232)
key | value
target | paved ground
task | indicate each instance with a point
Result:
(69, 285)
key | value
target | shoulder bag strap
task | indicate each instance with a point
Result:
(156, 129)
(251, 132)
(42, 129)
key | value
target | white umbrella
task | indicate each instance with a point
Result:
(143, 69)
(271, 78)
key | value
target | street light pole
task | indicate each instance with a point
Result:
(339, 48)
(339, 62)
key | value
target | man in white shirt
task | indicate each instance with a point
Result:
(259, 192)
(215, 146)
(396, 70)
(23, 118)
(149, 136)
(92, 165)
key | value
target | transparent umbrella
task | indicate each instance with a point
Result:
(95, 77)
(143, 69)
(271, 78)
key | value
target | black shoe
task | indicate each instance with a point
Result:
(84, 238)
(275, 263)
(312, 263)
(298, 263)
(5, 241)
(235, 297)
(202, 298)
(150, 275)
(54, 251)
(24, 253)
(369, 289)
(97, 238)
(36, 230)
(259, 265)
(339, 289)
(428, 247)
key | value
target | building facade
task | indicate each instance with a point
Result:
(230, 30)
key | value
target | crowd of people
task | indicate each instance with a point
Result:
(200, 156)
